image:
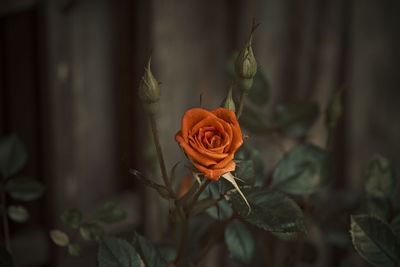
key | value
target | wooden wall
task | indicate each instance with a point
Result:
(69, 70)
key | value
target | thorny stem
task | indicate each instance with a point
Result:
(197, 195)
(160, 156)
(241, 104)
(6, 228)
(183, 239)
(185, 223)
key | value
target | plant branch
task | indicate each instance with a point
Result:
(160, 156)
(183, 239)
(197, 195)
(241, 104)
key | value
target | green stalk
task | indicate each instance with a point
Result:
(160, 156)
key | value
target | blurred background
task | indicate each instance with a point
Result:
(69, 71)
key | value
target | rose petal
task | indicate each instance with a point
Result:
(191, 118)
(211, 120)
(229, 116)
(193, 154)
(212, 154)
(215, 174)
(223, 162)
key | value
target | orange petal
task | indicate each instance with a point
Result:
(211, 120)
(229, 116)
(193, 154)
(223, 162)
(215, 174)
(191, 118)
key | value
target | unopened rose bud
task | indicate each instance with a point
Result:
(229, 103)
(245, 84)
(246, 65)
(149, 90)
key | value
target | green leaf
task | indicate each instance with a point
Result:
(59, 238)
(375, 241)
(75, 250)
(240, 242)
(259, 94)
(395, 225)
(12, 155)
(18, 213)
(110, 212)
(167, 251)
(72, 218)
(222, 210)
(115, 252)
(380, 180)
(202, 205)
(24, 189)
(249, 153)
(270, 210)
(245, 171)
(253, 122)
(5, 258)
(295, 119)
(301, 171)
(148, 252)
(91, 231)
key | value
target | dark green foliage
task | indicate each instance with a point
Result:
(12, 155)
(301, 171)
(375, 241)
(295, 119)
(240, 242)
(72, 218)
(24, 189)
(270, 210)
(115, 252)
(148, 252)
(249, 153)
(110, 212)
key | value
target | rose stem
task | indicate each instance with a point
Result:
(197, 195)
(6, 228)
(183, 239)
(241, 104)
(185, 217)
(160, 156)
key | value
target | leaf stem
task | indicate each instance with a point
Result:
(6, 228)
(241, 104)
(160, 156)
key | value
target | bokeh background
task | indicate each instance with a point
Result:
(69, 71)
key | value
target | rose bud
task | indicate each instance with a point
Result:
(229, 103)
(210, 139)
(149, 90)
(246, 65)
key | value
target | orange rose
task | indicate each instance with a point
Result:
(210, 140)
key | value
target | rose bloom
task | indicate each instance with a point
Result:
(210, 139)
